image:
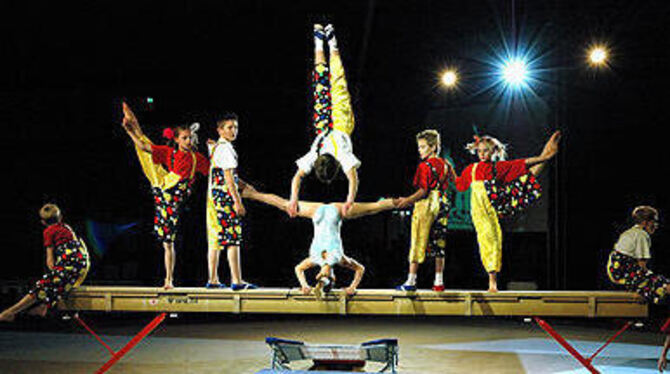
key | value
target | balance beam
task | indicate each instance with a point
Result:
(587, 304)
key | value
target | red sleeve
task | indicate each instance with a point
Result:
(160, 154)
(510, 170)
(201, 164)
(462, 183)
(421, 176)
(48, 238)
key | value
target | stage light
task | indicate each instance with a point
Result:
(150, 100)
(597, 55)
(449, 78)
(514, 72)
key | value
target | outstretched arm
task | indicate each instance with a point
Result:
(358, 269)
(352, 176)
(411, 199)
(293, 207)
(300, 274)
(549, 151)
(365, 209)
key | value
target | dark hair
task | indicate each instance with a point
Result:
(644, 213)
(326, 168)
(226, 116)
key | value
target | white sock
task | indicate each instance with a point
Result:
(411, 280)
(332, 44)
(439, 279)
(318, 44)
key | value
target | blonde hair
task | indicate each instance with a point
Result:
(50, 213)
(499, 150)
(644, 213)
(432, 137)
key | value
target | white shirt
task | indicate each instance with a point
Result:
(336, 143)
(224, 156)
(634, 242)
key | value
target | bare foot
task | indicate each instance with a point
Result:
(306, 290)
(6, 317)
(168, 285)
(492, 290)
(40, 310)
(318, 290)
(350, 290)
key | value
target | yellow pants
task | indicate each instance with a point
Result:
(155, 173)
(489, 233)
(343, 114)
(423, 216)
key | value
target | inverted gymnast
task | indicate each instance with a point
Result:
(499, 188)
(326, 248)
(333, 122)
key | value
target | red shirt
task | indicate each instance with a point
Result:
(506, 171)
(182, 163)
(424, 177)
(57, 234)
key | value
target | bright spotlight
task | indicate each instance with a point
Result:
(598, 56)
(515, 72)
(449, 78)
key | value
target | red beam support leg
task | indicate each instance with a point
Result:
(624, 328)
(90, 331)
(559, 339)
(132, 343)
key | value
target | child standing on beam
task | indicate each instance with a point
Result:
(224, 205)
(171, 171)
(499, 188)
(431, 209)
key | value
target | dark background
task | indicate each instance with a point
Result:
(68, 65)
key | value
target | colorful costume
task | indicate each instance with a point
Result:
(224, 226)
(623, 267)
(333, 117)
(497, 189)
(326, 248)
(71, 264)
(171, 173)
(430, 215)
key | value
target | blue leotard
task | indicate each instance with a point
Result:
(327, 223)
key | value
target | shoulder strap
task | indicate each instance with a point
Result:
(195, 161)
(440, 181)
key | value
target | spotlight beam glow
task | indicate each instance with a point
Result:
(515, 72)
(449, 78)
(597, 56)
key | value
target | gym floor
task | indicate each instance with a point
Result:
(220, 343)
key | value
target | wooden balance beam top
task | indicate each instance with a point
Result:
(591, 304)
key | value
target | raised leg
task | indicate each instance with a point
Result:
(306, 208)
